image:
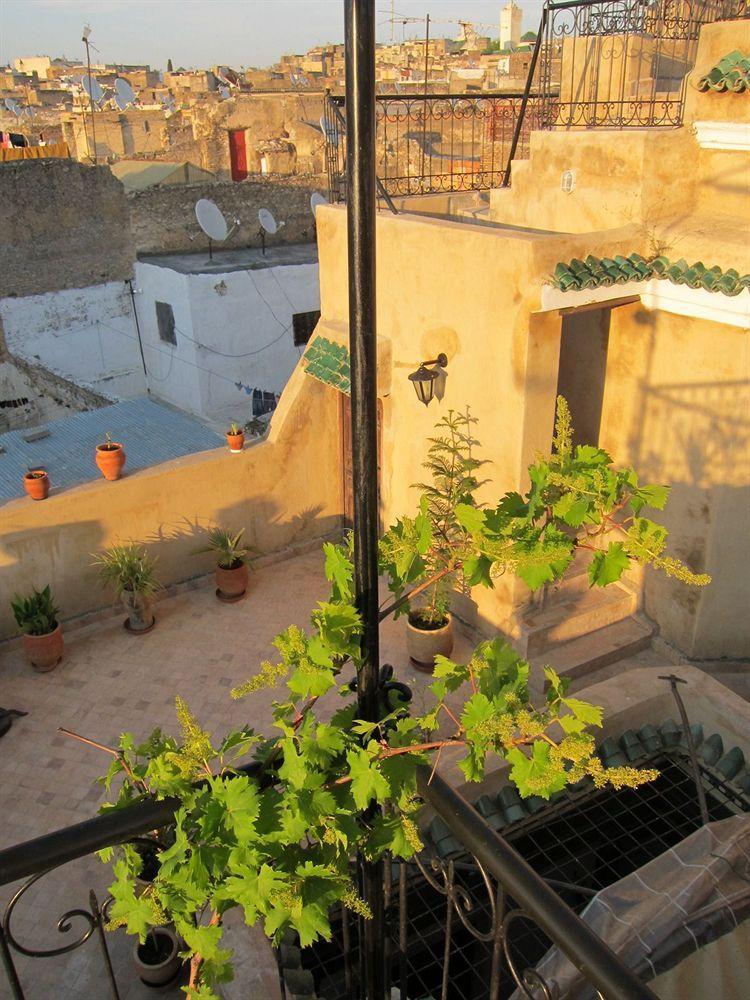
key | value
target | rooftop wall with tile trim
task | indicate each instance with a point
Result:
(285, 491)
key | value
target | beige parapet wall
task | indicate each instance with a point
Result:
(284, 491)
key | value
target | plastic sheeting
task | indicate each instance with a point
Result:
(665, 911)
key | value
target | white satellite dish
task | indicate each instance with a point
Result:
(13, 106)
(92, 87)
(267, 221)
(211, 221)
(329, 131)
(316, 198)
(124, 93)
(29, 112)
(224, 93)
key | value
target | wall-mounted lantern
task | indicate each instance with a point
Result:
(424, 378)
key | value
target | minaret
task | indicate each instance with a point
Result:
(510, 24)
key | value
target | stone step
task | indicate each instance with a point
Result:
(571, 614)
(581, 658)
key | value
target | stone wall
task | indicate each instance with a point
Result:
(65, 225)
(163, 219)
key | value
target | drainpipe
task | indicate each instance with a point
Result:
(360, 211)
(129, 283)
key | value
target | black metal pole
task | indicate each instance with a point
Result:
(361, 209)
(573, 937)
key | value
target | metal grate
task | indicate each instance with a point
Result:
(581, 843)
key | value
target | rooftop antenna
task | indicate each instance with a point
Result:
(213, 223)
(91, 82)
(267, 225)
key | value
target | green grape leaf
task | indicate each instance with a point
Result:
(368, 782)
(649, 496)
(607, 567)
(339, 571)
(587, 454)
(536, 775)
(470, 518)
(478, 571)
(590, 715)
(571, 510)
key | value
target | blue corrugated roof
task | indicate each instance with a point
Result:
(150, 432)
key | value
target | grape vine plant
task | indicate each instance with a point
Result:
(279, 845)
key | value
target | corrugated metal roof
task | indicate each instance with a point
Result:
(150, 432)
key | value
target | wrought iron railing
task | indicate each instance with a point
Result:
(495, 867)
(595, 64)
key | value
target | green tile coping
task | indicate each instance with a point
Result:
(730, 75)
(505, 808)
(594, 272)
(328, 362)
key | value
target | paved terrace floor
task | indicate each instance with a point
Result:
(108, 682)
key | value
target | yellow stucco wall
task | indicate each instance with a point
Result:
(677, 406)
(284, 491)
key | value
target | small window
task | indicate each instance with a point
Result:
(165, 322)
(303, 325)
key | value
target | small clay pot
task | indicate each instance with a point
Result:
(36, 485)
(140, 616)
(111, 460)
(44, 652)
(423, 644)
(157, 961)
(236, 442)
(231, 584)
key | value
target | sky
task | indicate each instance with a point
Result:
(209, 32)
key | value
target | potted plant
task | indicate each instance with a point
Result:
(110, 457)
(36, 484)
(235, 438)
(231, 563)
(452, 467)
(42, 636)
(129, 570)
(157, 960)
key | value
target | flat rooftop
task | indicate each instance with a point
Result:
(151, 433)
(241, 259)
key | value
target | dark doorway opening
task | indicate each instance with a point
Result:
(582, 370)
(238, 154)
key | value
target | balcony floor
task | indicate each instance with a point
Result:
(110, 681)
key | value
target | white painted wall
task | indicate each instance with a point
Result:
(84, 334)
(234, 327)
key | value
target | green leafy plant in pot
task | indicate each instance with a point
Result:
(130, 571)
(231, 563)
(42, 638)
(452, 467)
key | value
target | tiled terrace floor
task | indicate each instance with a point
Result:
(110, 681)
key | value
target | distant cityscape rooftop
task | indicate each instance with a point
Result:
(150, 432)
(241, 259)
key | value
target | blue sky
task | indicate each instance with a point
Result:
(206, 32)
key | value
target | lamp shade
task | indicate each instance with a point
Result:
(423, 380)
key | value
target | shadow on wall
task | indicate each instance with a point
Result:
(695, 436)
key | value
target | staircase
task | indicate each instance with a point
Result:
(578, 629)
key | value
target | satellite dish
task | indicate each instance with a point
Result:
(211, 221)
(224, 93)
(124, 94)
(329, 131)
(29, 112)
(316, 198)
(13, 106)
(92, 87)
(267, 221)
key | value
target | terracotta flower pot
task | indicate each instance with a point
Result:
(140, 617)
(44, 652)
(36, 485)
(423, 645)
(157, 961)
(231, 584)
(236, 442)
(111, 459)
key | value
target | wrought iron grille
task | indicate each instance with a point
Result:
(453, 932)
(621, 63)
(434, 143)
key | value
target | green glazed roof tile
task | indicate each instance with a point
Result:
(329, 363)
(597, 272)
(730, 75)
